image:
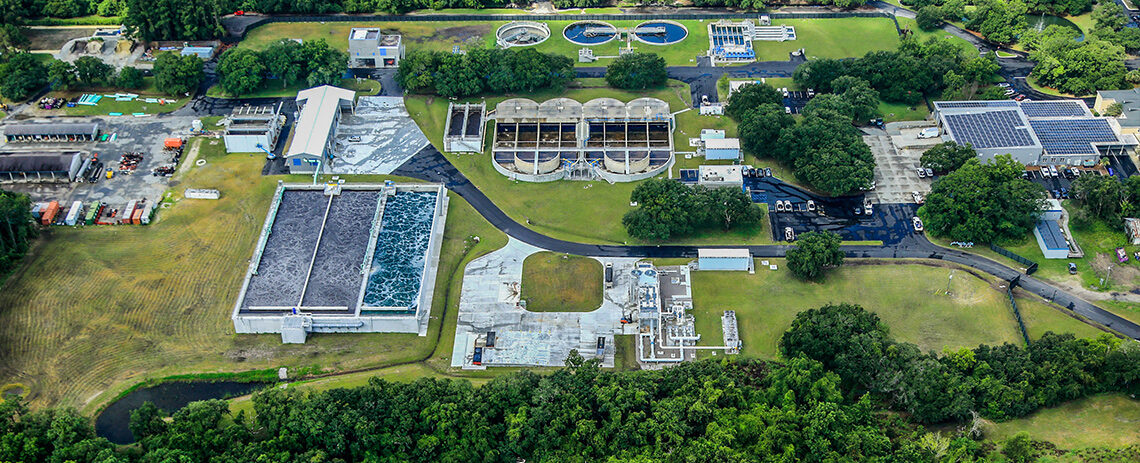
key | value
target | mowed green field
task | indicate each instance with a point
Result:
(1107, 420)
(93, 311)
(910, 299)
(822, 38)
(553, 282)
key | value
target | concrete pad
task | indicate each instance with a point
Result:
(388, 137)
(895, 171)
(489, 301)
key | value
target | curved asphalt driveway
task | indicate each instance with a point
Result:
(429, 164)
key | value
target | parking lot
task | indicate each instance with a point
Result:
(125, 134)
(889, 223)
(897, 152)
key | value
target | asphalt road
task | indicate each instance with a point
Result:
(429, 164)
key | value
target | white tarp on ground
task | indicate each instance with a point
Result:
(388, 137)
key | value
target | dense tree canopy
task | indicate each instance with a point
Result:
(749, 97)
(1107, 198)
(947, 157)
(1080, 68)
(983, 202)
(91, 71)
(668, 209)
(21, 75)
(129, 77)
(996, 382)
(998, 20)
(636, 71)
(177, 75)
(814, 254)
(17, 228)
(173, 19)
(240, 71)
(483, 70)
(827, 151)
(760, 128)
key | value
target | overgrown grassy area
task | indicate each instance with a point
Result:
(93, 311)
(830, 38)
(272, 88)
(910, 298)
(1107, 420)
(553, 282)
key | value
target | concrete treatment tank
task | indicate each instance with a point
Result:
(547, 162)
(589, 33)
(660, 32)
(521, 34)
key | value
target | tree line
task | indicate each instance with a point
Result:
(668, 209)
(242, 71)
(483, 70)
(995, 382)
(18, 229)
(1106, 198)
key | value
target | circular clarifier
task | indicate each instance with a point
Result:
(589, 33)
(660, 32)
(522, 34)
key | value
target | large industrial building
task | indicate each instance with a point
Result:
(39, 166)
(312, 141)
(1061, 132)
(370, 48)
(251, 129)
(464, 131)
(602, 138)
(344, 258)
(51, 133)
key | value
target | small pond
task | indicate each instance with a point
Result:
(114, 422)
(1041, 21)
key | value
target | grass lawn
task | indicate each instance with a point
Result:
(439, 36)
(157, 299)
(1107, 420)
(910, 298)
(830, 38)
(918, 33)
(1032, 81)
(109, 105)
(272, 88)
(1040, 318)
(892, 112)
(553, 282)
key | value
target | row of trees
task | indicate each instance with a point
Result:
(18, 228)
(1106, 198)
(825, 149)
(936, 67)
(242, 71)
(21, 75)
(636, 71)
(998, 383)
(1055, 7)
(483, 70)
(983, 202)
(668, 209)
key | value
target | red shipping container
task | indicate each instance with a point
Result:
(49, 213)
(136, 218)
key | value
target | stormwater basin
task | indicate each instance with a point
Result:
(114, 422)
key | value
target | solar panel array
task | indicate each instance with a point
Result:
(975, 104)
(995, 129)
(1035, 109)
(1072, 136)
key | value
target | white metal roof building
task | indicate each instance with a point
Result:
(720, 176)
(312, 143)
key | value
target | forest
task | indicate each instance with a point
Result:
(825, 403)
(483, 70)
(18, 229)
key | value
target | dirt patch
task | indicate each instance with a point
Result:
(455, 35)
(1121, 276)
(53, 39)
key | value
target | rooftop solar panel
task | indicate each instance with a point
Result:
(975, 104)
(994, 129)
(1072, 136)
(1053, 109)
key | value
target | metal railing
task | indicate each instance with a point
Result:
(1030, 266)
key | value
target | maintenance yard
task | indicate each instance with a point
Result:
(124, 135)
(377, 138)
(494, 329)
(344, 258)
(889, 223)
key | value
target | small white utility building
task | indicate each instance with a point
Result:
(312, 141)
(720, 176)
(724, 259)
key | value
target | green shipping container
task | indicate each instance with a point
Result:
(92, 213)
